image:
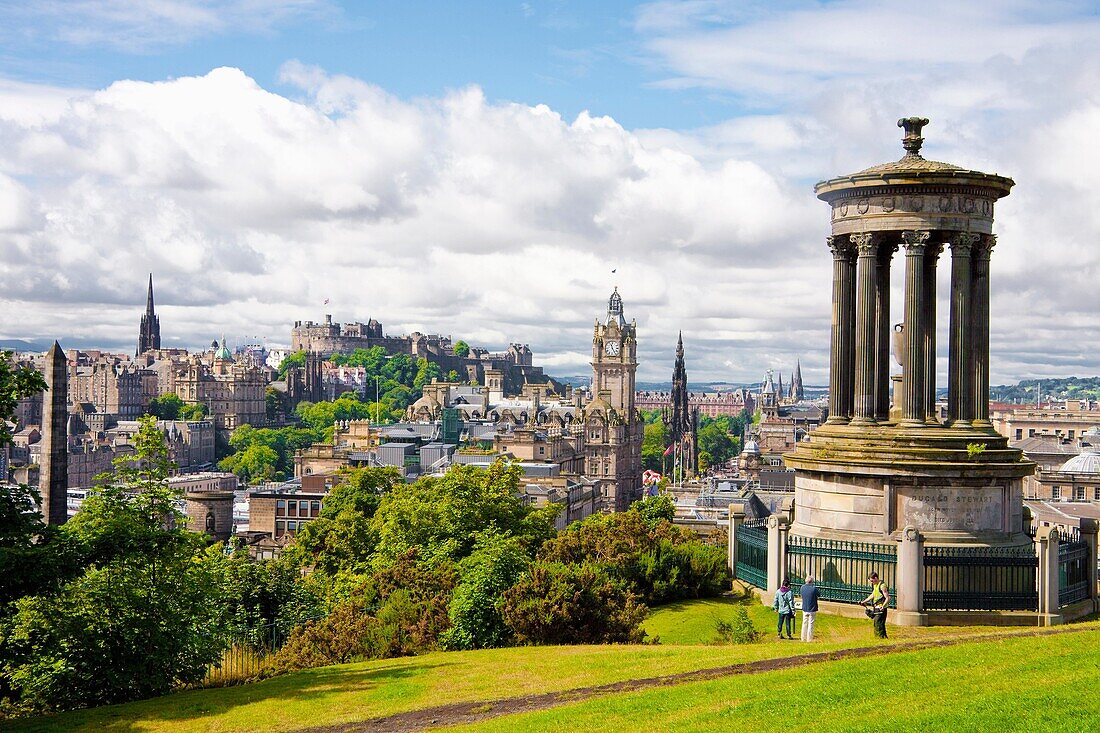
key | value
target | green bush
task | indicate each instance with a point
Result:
(660, 561)
(476, 622)
(572, 604)
(738, 630)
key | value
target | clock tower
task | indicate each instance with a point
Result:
(615, 357)
(613, 427)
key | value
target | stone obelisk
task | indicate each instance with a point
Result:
(53, 474)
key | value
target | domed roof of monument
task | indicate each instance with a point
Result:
(1087, 462)
(913, 168)
(752, 448)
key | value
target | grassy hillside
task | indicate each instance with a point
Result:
(1016, 684)
(357, 692)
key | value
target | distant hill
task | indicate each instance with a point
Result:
(1064, 388)
(18, 345)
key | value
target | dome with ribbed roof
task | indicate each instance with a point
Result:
(1086, 462)
(223, 353)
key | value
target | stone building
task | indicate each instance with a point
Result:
(1069, 421)
(612, 424)
(191, 443)
(114, 386)
(516, 363)
(711, 404)
(233, 391)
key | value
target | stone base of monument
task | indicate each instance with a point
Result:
(922, 504)
(956, 486)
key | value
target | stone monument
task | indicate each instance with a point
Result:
(53, 473)
(871, 471)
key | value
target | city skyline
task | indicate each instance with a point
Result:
(258, 169)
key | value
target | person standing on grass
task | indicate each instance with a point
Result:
(809, 608)
(879, 600)
(784, 605)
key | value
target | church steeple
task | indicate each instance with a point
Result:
(149, 333)
(797, 393)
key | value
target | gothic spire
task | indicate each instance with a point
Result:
(149, 332)
(796, 382)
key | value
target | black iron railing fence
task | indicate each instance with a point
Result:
(1073, 567)
(980, 579)
(841, 568)
(752, 553)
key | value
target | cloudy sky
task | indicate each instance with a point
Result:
(479, 169)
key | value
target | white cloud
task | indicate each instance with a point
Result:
(1010, 88)
(497, 222)
(140, 25)
(502, 222)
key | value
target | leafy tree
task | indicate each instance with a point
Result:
(442, 517)
(30, 559)
(138, 619)
(426, 371)
(167, 406)
(275, 403)
(16, 382)
(495, 565)
(462, 349)
(558, 603)
(197, 411)
(341, 539)
(453, 376)
(660, 561)
(319, 415)
(297, 359)
(716, 443)
(655, 509)
(654, 440)
(255, 463)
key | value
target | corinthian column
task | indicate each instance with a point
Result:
(931, 255)
(866, 322)
(980, 320)
(883, 332)
(914, 409)
(842, 348)
(960, 402)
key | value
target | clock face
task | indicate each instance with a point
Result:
(611, 348)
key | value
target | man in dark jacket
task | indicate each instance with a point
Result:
(809, 608)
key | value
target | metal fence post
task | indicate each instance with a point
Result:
(1089, 528)
(1046, 540)
(737, 518)
(910, 579)
(777, 551)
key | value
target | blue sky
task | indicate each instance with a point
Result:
(571, 56)
(478, 169)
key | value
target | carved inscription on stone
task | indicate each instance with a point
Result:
(950, 508)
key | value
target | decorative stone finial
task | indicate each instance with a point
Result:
(912, 140)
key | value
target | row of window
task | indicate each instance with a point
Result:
(297, 508)
(288, 527)
(1078, 493)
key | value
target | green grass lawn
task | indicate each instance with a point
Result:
(355, 692)
(1015, 684)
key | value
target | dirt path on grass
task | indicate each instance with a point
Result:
(472, 712)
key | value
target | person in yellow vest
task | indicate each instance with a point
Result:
(879, 601)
